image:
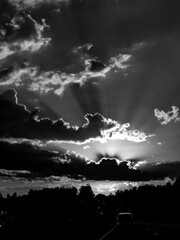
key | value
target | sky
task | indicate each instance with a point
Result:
(89, 91)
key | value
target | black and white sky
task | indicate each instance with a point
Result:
(89, 89)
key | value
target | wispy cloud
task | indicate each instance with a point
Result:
(14, 173)
(56, 81)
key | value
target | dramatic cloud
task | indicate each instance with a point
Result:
(134, 21)
(166, 117)
(97, 69)
(56, 81)
(26, 159)
(23, 159)
(17, 121)
(121, 132)
(23, 33)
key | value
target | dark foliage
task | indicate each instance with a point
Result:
(68, 214)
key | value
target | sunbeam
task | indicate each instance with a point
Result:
(81, 79)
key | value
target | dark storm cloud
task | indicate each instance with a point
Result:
(169, 169)
(25, 157)
(109, 169)
(25, 160)
(106, 169)
(17, 121)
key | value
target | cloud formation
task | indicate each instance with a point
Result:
(25, 160)
(122, 132)
(134, 21)
(21, 34)
(120, 61)
(127, 52)
(17, 121)
(166, 117)
(43, 82)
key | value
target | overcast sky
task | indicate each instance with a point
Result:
(89, 89)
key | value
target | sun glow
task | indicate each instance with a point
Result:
(122, 148)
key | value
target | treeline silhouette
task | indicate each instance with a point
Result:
(63, 213)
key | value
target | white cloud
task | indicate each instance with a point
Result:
(56, 81)
(120, 61)
(35, 42)
(11, 140)
(48, 81)
(19, 77)
(15, 43)
(110, 130)
(166, 117)
(44, 82)
(138, 164)
(122, 132)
